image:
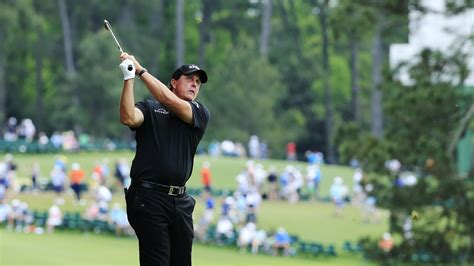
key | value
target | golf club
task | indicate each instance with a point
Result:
(108, 27)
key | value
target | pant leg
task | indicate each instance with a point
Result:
(149, 215)
(182, 231)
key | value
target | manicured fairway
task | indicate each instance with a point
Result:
(77, 249)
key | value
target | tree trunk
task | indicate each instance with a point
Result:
(39, 110)
(323, 20)
(266, 27)
(204, 34)
(70, 67)
(3, 91)
(179, 32)
(289, 21)
(377, 62)
(156, 28)
(355, 90)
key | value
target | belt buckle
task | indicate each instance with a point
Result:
(171, 191)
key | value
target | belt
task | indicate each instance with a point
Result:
(170, 190)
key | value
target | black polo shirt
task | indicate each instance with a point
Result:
(166, 145)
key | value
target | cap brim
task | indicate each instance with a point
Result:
(202, 75)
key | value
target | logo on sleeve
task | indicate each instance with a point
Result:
(195, 103)
(162, 111)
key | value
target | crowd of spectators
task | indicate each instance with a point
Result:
(65, 178)
(235, 222)
(237, 219)
(24, 137)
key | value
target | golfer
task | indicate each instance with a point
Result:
(168, 130)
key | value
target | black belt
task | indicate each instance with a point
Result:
(170, 190)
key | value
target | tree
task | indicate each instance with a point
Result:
(351, 19)
(322, 6)
(179, 32)
(243, 103)
(266, 27)
(443, 233)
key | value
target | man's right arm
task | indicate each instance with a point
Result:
(129, 114)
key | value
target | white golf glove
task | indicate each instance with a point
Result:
(128, 69)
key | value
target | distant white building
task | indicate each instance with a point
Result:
(435, 31)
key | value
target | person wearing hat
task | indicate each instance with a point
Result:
(167, 132)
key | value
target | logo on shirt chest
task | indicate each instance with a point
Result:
(162, 111)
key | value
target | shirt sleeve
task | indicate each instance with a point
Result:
(142, 106)
(200, 115)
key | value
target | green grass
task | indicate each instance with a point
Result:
(311, 221)
(74, 249)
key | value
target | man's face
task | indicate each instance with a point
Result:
(187, 86)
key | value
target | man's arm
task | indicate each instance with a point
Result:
(163, 94)
(129, 114)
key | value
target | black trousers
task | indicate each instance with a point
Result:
(163, 225)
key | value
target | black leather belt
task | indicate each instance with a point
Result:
(170, 190)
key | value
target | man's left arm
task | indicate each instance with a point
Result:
(163, 94)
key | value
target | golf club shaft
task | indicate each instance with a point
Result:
(109, 28)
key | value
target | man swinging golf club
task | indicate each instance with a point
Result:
(168, 130)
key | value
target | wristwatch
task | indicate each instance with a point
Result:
(142, 72)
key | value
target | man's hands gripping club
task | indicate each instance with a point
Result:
(129, 66)
(128, 69)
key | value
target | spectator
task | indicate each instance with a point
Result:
(76, 178)
(240, 150)
(5, 209)
(357, 190)
(10, 134)
(99, 174)
(281, 242)
(55, 218)
(3, 176)
(14, 214)
(122, 171)
(206, 218)
(272, 180)
(313, 179)
(258, 241)
(103, 194)
(264, 153)
(57, 140)
(43, 141)
(61, 162)
(386, 243)
(224, 229)
(371, 214)
(11, 168)
(246, 236)
(213, 148)
(254, 147)
(338, 193)
(58, 180)
(228, 148)
(118, 218)
(27, 130)
(35, 174)
(70, 142)
(206, 178)
(291, 151)
(311, 157)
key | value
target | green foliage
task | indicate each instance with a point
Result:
(242, 96)
(420, 142)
